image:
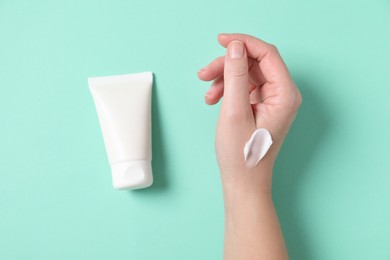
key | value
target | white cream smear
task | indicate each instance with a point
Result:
(257, 146)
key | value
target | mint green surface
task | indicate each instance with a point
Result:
(332, 179)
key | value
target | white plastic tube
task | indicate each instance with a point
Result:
(123, 104)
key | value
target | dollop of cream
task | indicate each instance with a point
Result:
(257, 146)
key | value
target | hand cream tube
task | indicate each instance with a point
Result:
(123, 104)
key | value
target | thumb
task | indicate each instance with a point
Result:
(236, 96)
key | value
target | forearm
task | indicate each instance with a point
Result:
(252, 230)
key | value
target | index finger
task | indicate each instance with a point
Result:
(271, 63)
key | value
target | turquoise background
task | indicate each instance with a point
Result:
(332, 178)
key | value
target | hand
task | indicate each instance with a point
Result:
(258, 92)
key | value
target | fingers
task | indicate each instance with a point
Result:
(213, 70)
(215, 91)
(270, 62)
(255, 96)
(236, 95)
(255, 75)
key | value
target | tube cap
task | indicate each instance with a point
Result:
(132, 175)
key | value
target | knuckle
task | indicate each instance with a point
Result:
(291, 99)
(272, 49)
(295, 101)
(299, 100)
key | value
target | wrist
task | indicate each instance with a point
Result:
(243, 184)
(244, 204)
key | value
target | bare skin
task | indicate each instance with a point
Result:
(257, 92)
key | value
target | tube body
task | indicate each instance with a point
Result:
(123, 104)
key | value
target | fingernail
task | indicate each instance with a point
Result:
(236, 50)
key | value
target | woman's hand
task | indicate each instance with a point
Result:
(258, 92)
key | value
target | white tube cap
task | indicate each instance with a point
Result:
(132, 175)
